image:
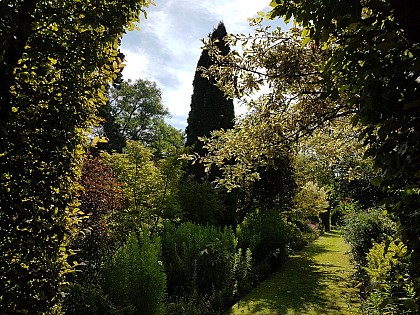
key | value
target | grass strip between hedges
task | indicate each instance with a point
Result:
(316, 281)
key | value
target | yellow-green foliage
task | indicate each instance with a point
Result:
(56, 59)
(311, 200)
(391, 291)
(383, 258)
(143, 184)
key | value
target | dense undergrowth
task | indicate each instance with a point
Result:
(188, 268)
(382, 262)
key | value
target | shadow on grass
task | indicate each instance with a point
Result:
(299, 286)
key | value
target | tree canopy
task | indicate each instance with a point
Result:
(135, 112)
(343, 58)
(375, 63)
(137, 108)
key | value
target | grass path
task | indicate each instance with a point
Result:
(317, 281)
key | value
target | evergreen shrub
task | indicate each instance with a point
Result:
(201, 203)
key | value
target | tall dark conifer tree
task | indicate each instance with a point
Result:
(210, 109)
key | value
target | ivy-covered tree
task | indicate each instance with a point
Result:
(210, 108)
(56, 58)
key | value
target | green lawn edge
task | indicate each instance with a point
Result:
(316, 281)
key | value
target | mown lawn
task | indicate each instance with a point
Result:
(317, 281)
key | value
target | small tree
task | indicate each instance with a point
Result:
(101, 200)
(311, 201)
(146, 187)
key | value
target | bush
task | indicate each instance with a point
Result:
(203, 266)
(362, 229)
(201, 203)
(343, 208)
(268, 237)
(310, 201)
(390, 291)
(197, 257)
(135, 279)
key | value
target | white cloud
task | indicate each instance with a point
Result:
(234, 13)
(137, 62)
(168, 46)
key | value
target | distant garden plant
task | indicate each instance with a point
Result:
(269, 238)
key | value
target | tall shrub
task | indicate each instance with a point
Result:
(268, 237)
(201, 202)
(56, 59)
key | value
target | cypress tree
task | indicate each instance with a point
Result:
(210, 109)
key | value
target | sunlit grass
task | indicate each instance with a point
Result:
(317, 281)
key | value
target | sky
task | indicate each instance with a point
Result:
(168, 45)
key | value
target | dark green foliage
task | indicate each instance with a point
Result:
(85, 299)
(364, 228)
(108, 125)
(136, 109)
(134, 277)
(358, 186)
(197, 258)
(182, 306)
(274, 190)
(268, 237)
(210, 109)
(110, 130)
(204, 267)
(135, 112)
(201, 202)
